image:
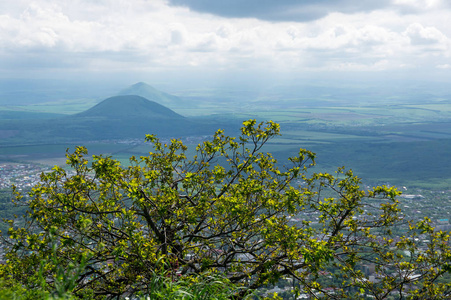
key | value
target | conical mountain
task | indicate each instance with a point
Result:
(130, 106)
(144, 90)
(127, 116)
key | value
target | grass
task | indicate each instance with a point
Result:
(403, 143)
(439, 107)
(320, 136)
(413, 163)
(67, 107)
(406, 163)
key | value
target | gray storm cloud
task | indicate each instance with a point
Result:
(280, 10)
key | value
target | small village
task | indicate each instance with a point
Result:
(415, 204)
(23, 176)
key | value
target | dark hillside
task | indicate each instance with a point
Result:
(127, 116)
(129, 106)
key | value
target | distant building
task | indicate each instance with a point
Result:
(413, 197)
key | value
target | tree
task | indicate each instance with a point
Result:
(230, 210)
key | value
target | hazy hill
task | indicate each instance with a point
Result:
(129, 106)
(128, 116)
(144, 90)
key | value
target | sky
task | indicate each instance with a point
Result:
(187, 40)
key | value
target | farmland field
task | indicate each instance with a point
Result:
(405, 144)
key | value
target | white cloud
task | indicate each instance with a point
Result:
(413, 6)
(424, 35)
(146, 35)
(444, 66)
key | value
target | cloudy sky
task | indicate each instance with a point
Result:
(190, 37)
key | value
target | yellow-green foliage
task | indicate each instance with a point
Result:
(107, 231)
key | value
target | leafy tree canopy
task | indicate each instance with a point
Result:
(230, 210)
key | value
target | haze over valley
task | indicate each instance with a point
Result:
(384, 136)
